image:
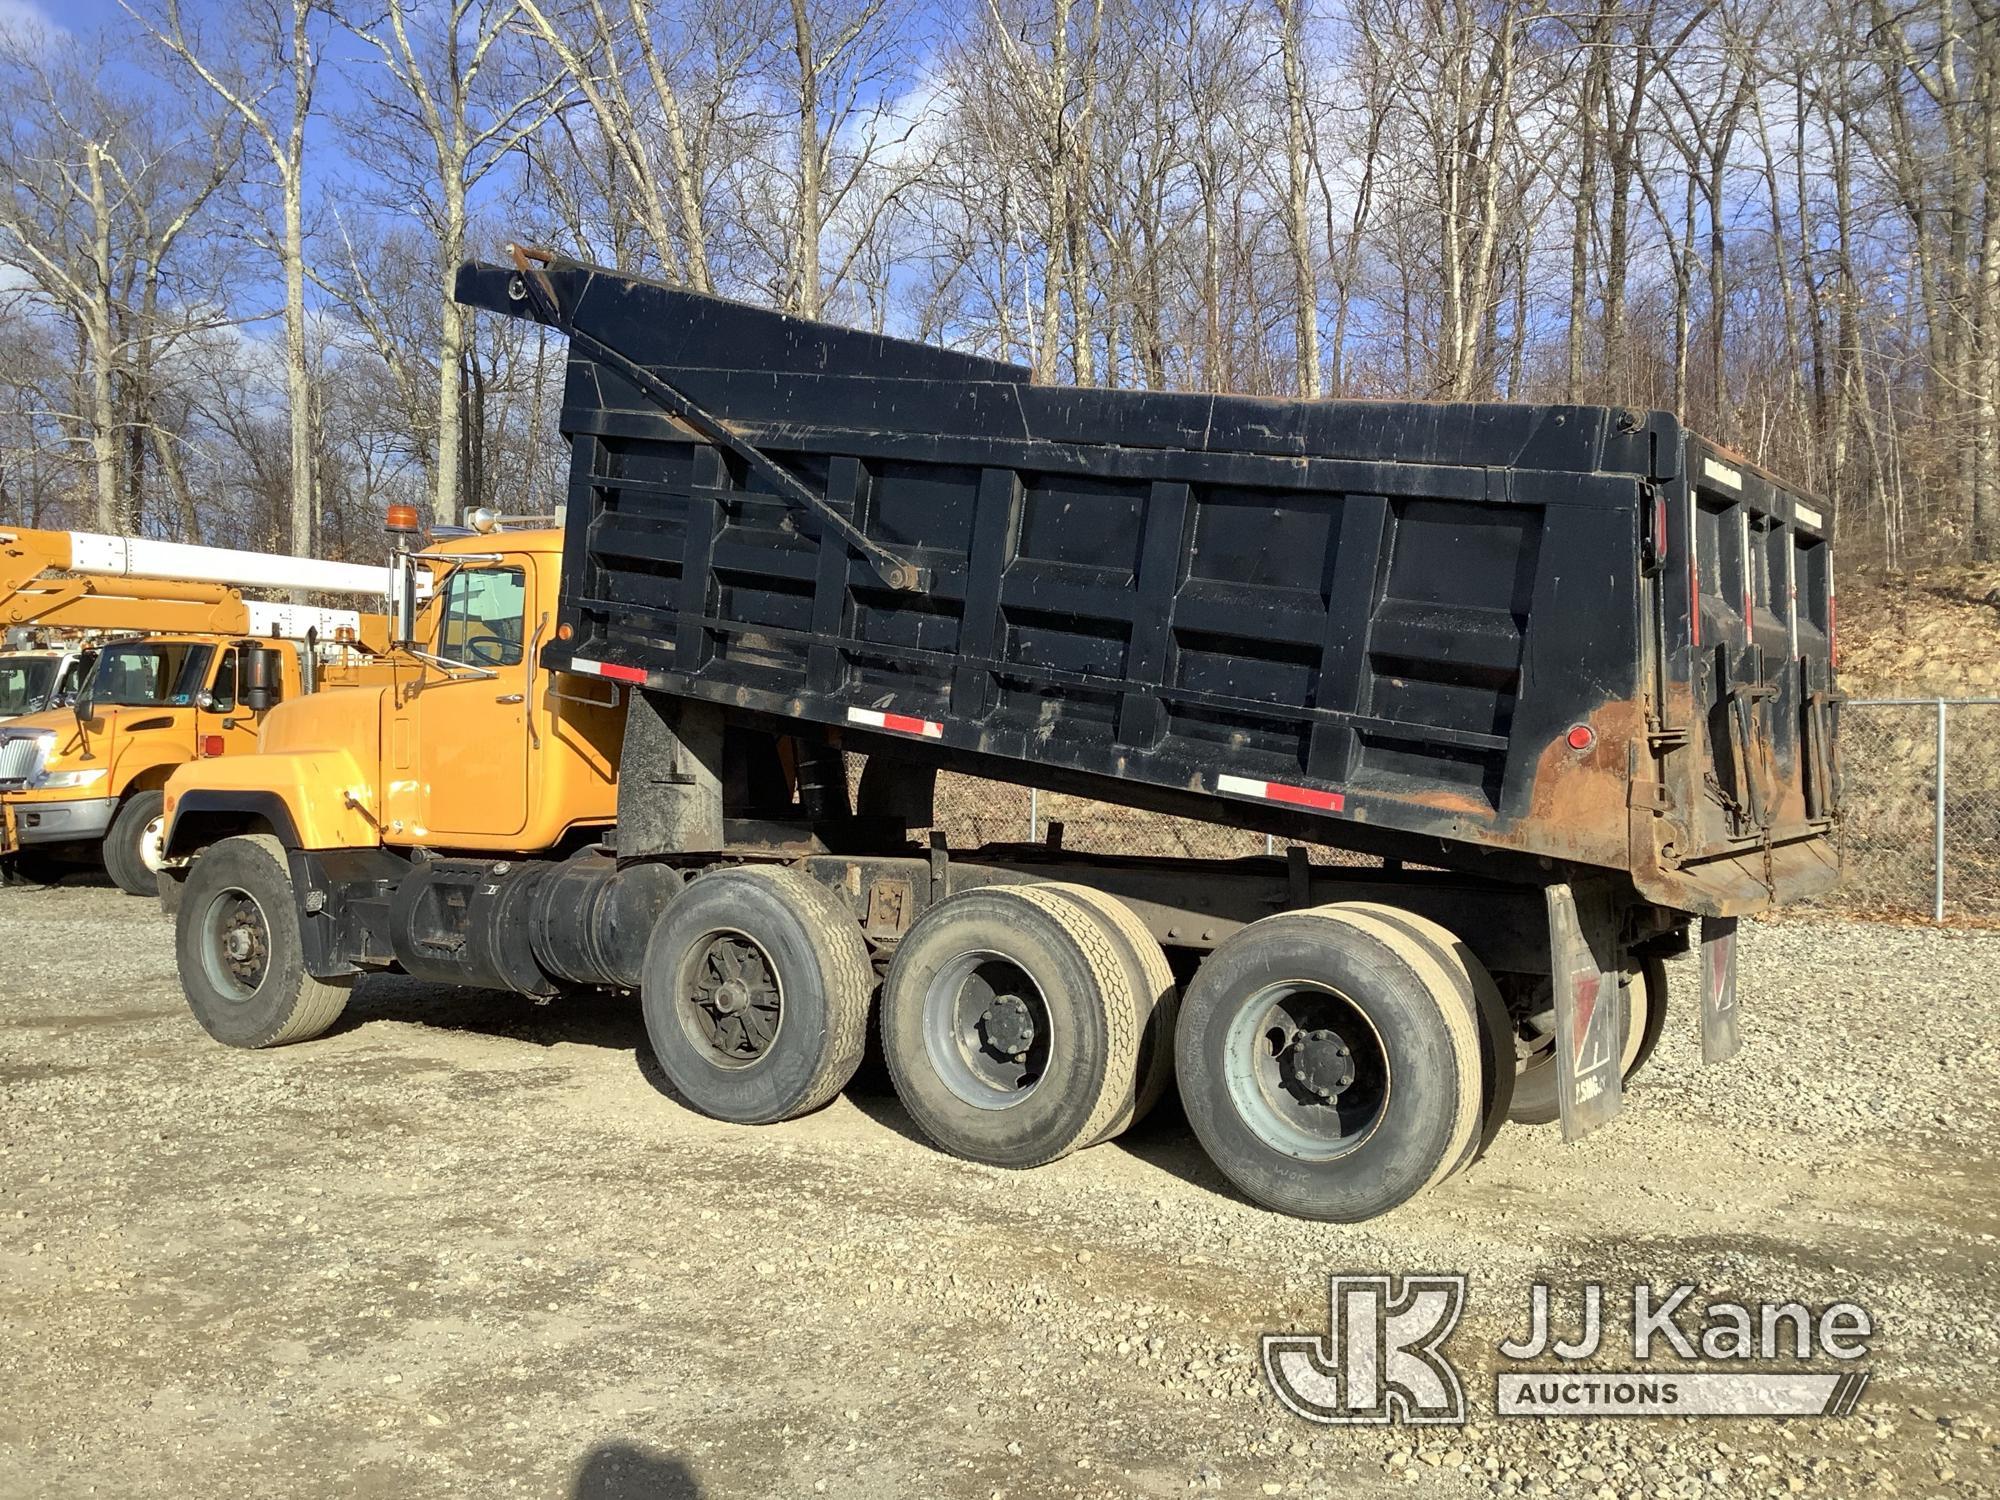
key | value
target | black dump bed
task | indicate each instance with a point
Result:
(1478, 635)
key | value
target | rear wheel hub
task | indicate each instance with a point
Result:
(1322, 1063)
(1007, 1027)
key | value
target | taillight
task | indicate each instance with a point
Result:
(211, 746)
(1656, 535)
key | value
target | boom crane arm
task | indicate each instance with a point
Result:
(26, 554)
(90, 581)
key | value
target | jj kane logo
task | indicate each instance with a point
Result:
(1383, 1357)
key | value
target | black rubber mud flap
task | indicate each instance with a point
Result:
(1590, 1029)
(1720, 1033)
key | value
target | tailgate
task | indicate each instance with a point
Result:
(1750, 720)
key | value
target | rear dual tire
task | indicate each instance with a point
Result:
(1329, 1064)
(1481, 996)
(755, 991)
(1010, 1026)
(1537, 1086)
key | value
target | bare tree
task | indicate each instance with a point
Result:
(663, 95)
(267, 78)
(106, 189)
(447, 108)
(1299, 154)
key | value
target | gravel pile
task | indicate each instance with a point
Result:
(465, 1245)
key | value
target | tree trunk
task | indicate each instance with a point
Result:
(1298, 226)
(453, 336)
(298, 369)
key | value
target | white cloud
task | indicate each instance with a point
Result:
(25, 28)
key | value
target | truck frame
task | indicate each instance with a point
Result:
(1565, 674)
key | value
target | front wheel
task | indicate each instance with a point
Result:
(132, 849)
(236, 941)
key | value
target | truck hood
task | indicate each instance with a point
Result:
(97, 744)
(344, 719)
(103, 726)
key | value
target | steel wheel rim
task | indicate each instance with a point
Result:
(1306, 1070)
(236, 944)
(150, 854)
(730, 1001)
(987, 1029)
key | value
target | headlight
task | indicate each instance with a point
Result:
(70, 778)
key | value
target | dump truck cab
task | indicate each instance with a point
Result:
(469, 744)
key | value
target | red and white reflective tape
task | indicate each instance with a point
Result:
(1278, 791)
(607, 669)
(874, 718)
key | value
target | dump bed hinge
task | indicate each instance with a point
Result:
(897, 572)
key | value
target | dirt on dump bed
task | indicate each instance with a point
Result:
(465, 1245)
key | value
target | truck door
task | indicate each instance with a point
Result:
(471, 726)
(223, 726)
(1760, 638)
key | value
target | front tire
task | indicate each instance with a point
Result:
(132, 847)
(236, 942)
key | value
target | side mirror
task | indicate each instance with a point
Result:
(205, 701)
(403, 599)
(263, 678)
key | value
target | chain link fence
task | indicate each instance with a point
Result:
(1920, 808)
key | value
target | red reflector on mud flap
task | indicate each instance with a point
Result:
(1720, 1033)
(1590, 1029)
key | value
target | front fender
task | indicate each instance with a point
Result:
(311, 799)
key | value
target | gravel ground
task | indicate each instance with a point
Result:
(465, 1245)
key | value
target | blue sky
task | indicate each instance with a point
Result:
(209, 18)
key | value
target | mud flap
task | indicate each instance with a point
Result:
(1590, 1024)
(1720, 1034)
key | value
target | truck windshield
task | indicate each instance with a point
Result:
(25, 682)
(143, 673)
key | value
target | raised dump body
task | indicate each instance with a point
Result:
(1455, 634)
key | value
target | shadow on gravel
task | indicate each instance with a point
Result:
(627, 1471)
(588, 1019)
(614, 1022)
(22, 873)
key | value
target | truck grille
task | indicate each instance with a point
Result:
(20, 759)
